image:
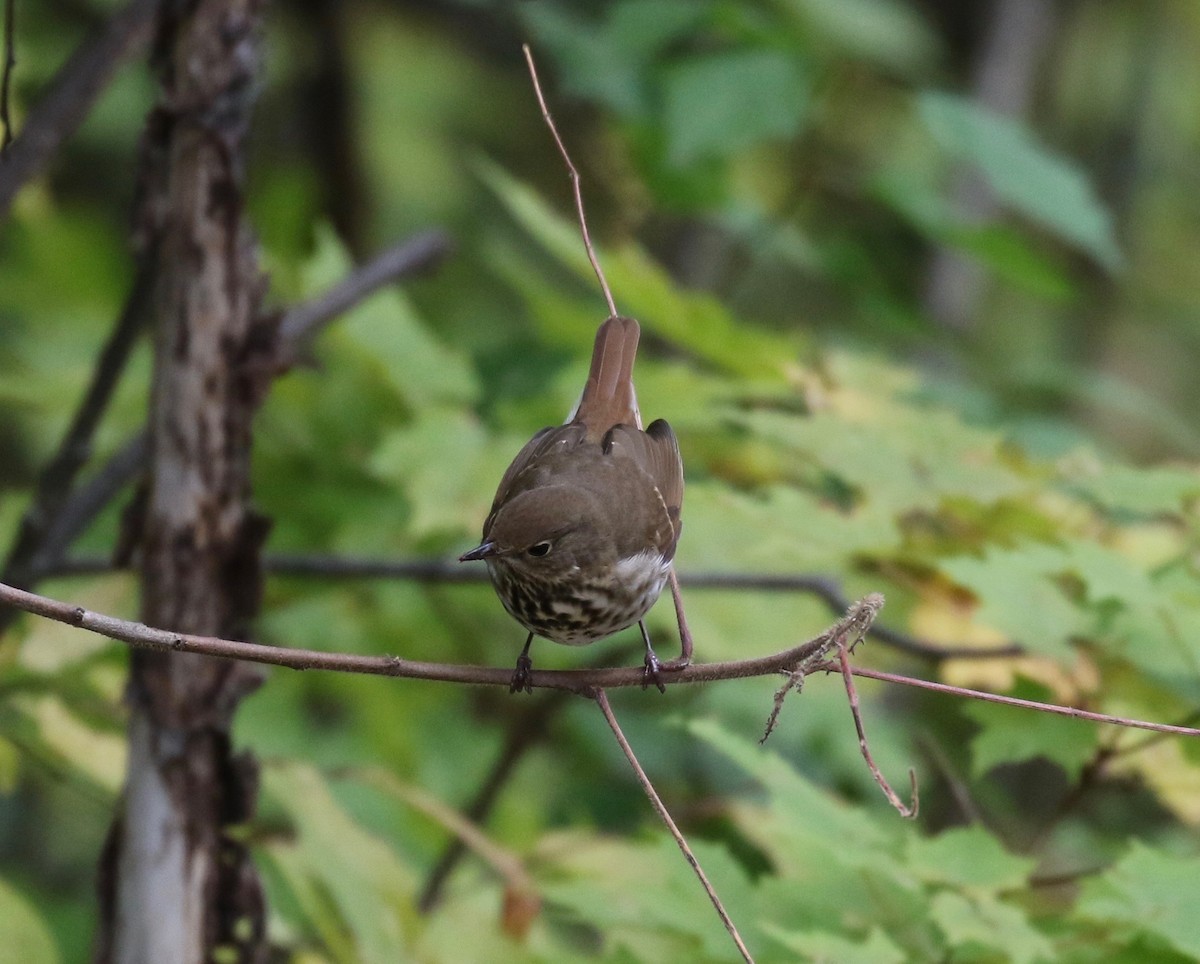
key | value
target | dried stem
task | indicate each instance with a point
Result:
(574, 174)
(855, 624)
(906, 810)
(601, 699)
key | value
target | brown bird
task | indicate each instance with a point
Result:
(585, 521)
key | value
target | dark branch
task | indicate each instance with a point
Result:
(10, 61)
(439, 571)
(420, 253)
(73, 91)
(57, 514)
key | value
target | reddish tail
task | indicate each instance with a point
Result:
(608, 398)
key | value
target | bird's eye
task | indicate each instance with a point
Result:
(540, 549)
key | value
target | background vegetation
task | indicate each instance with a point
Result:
(918, 328)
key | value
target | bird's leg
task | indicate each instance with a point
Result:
(650, 673)
(520, 677)
(684, 659)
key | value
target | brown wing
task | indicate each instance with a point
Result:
(548, 440)
(657, 451)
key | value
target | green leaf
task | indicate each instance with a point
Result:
(1012, 735)
(694, 321)
(644, 895)
(1017, 595)
(449, 469)
(720, 104)
(886, 32)
(609, 60)
(818, 945)
(983, 922)
(349, 884)
(1148, 891)
(1144, 490)
(27, 938)
(967, 857)
(1040, 185)
(385, 336)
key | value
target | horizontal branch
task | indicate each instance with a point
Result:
(582, 681)
(824, 588)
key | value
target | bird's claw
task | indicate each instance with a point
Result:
(521, 677)
(650, 672)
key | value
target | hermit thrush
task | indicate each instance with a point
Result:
(584, 525)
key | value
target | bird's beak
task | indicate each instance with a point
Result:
(479, 552)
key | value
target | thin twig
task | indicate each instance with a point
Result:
(523, 733)
(419, 253)
(578, 681)
(856, 622)
(574, 174)
(908, 811)
(1014, 701)
(71, 94)
(89, 499)
(601, 699)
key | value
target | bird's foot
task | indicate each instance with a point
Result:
(521, 675)
(650, 673)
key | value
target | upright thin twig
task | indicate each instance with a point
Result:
(574, 174)
(10, 61)
(601, 699)
(685, 636)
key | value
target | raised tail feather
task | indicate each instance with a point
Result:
(608, 397)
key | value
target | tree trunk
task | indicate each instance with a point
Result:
(174, 885)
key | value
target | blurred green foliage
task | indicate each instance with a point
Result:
(768, 182)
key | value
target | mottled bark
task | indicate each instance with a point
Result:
(174, 886)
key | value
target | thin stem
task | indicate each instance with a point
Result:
(1014, 701)
(908, 811)
(601, 699)
(574, 175)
